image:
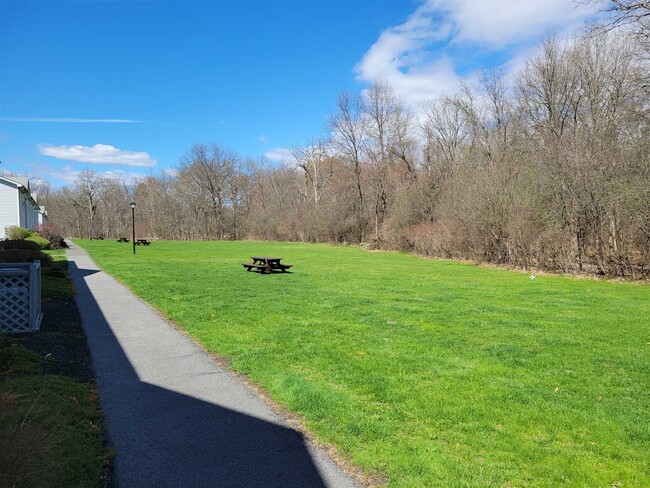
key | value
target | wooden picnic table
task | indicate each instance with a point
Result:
(122, 239)
(265, 264)
(144, 242)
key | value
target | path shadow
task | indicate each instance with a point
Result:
(82, 272)
(166, 439)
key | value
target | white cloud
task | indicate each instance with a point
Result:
(171, 172)
(68, 174)
(496, 23)
(400, 57)
(98, 154)
(278, 154)
(419, 57)
(70, 120)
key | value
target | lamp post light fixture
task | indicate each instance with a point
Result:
(133, 223)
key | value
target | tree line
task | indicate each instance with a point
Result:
(547, 169)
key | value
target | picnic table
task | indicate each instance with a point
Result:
(122, 239)
(266, 264)
(143, 242)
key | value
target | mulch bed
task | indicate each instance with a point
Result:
(61, 340)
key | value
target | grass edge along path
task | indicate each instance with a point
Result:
(431, 372)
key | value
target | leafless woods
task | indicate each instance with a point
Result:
(549, 168)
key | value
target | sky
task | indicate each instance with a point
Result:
(125, 88)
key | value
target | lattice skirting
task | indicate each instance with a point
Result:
(14, 303)
(20, 297)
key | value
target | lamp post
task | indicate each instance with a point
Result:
(133, 222)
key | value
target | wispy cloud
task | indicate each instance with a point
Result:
(68, 174)
(98, 154)
(420, 57)
(278, 154)
(401, 57)
(65, 120)
(263, 138)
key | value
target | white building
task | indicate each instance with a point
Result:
(18, 207)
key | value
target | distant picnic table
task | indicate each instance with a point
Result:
(122, 239)
(143, 242)
(265, 264)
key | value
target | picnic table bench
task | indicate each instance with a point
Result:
(122, 239)
(143, 242)
(265, 264)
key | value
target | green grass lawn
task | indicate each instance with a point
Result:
(50, 426)
(428, 372)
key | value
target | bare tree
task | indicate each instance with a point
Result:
(348, 140)
(206, 171)
(383, 119)
(317, 166)
(445, 132)
(88, 192)
(626, 12)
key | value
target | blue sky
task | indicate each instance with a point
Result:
(126, 87)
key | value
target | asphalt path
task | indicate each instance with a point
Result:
(174, 417)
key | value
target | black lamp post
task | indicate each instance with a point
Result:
(133, 222)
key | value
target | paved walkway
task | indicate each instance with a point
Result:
(174, 417)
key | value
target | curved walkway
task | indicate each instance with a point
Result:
(175, 418)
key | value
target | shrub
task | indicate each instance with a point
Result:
(19, 360)
(24, 256)
(53, 234)
(23, 252)
(41, 241)
(18, 233)
(19, 245)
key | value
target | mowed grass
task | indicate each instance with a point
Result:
(427, 372)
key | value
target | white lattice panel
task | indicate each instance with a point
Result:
(20, 300)
(14, 303)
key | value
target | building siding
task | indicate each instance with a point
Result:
(9, 212)
(17, 207)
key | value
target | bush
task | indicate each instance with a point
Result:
(24, 256)
(18, 233)
(19, 245)
(53, 234)
(43, 243)
(23, 252)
